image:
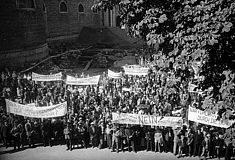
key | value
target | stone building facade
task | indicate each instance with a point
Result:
(27, 26)
(22, 32)
(65, 18)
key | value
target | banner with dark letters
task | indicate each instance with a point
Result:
(203, 117)
(36, 112)
(138, 119)
(114, 75)
(94, 80)
(50, 77)
(135, 70)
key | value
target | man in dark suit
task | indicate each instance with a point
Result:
(149, 140)
(47, 133)
(133, 139)
(198, 138)
(5, 131)
(127, 135)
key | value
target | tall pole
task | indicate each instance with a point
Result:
(102, 17)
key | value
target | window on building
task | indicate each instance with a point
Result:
(80, 8)
(63, 7)
(26, 4)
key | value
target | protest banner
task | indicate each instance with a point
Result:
(179, 111)
(135, 70)
(94, 80)
(203, 117)
(192, 87)
(151, 120)
(51, 77)
(126, 89)
(114, 75)
(36, 112)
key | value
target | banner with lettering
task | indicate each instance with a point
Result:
(51, 77)
(36, 112)
(82, 81)
(203, 117)
(151, 120)
(135, 70)
(114, 75)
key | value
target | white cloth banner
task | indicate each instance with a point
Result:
(51, 77)
(135, 70)
(203, 117)
(126, 89)
(82, 81)
(36, 112)
(151, 120)
(114, 75)
(177, 111)
(191, 87)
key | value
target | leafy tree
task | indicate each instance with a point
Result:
(194, 38)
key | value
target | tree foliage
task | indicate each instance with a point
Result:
(188, 32)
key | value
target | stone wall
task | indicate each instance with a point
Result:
(20, 57)
(21, 27)
(22, 33)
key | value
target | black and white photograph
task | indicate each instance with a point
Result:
(117, 79)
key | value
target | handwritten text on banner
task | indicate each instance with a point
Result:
(36, 112)
(203, 117)
(126, 118)
(82, 81)
(114, 75)
(135, 70)
(51, 77)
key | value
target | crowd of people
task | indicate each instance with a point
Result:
(89, 119)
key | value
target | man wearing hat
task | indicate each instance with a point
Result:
(87, 136)
(68, 136)
(108, 133)
(81, 134)
(100, 133)
(28, 130)
(116, 138)
(93, 134)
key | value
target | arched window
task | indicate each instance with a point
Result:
(63, 7)
(80, 8)
(26, 4)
